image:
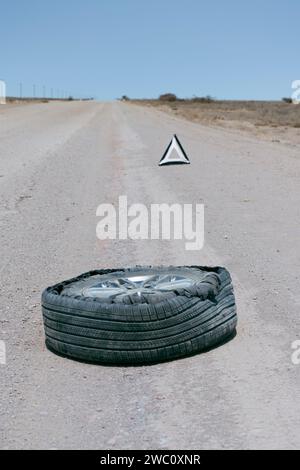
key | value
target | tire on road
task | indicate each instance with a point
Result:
(139, 315)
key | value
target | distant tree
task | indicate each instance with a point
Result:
(203, 99)
(287, 100)
(168, 97)
(125, 98)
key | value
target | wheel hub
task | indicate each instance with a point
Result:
(143, 284)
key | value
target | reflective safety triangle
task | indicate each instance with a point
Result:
(174, 153)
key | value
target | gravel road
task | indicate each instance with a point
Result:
(58, 162)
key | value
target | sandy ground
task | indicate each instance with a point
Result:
(272, 121)
(58, 161)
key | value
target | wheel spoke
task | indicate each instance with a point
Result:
(138, 284)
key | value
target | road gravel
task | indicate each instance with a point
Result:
(58, 162)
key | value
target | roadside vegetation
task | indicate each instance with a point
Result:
(209, 110)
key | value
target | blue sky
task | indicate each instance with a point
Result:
(229, 49)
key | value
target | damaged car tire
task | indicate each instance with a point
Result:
(139, 315)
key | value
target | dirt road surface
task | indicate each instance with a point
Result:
(58, 162)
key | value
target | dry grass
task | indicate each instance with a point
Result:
(277, 121)
(257, 113)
